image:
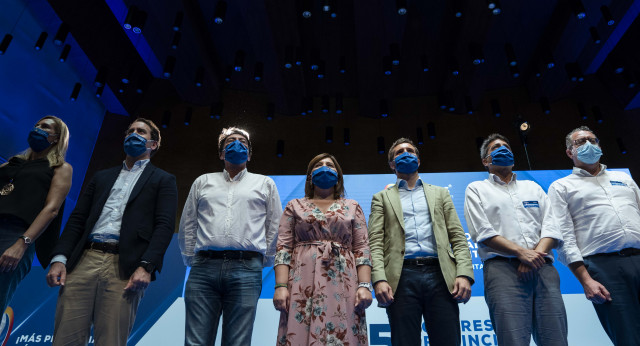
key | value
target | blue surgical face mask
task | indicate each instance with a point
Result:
(236, 153)
(135, 145)
(502, 157)
(406, 163)
(37, 139)
(589, 153)
(324, 177)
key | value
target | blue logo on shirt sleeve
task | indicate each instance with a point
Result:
(617, 183)
(530, 204)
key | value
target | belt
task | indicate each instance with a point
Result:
(514, 259)
(112, 248)
(622, 253)
(229, 254)
(420, 261)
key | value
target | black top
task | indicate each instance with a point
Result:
(31, 180)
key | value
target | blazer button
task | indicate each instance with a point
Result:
(402, 252)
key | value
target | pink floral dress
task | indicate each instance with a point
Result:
(322, 251)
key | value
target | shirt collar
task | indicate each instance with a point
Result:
(402, 184)
(140, 164)
(238, 176)
(496, 179)
(582, 173)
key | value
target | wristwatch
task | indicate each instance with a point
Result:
(366, 285)
(147, 266)
(26, 239)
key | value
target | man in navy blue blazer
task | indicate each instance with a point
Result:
(113, 243)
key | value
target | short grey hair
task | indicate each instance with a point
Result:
(485, 144)
(568, 141)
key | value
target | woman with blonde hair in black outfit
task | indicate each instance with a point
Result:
(33, 187)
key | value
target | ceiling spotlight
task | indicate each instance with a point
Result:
(129, 18)
(454, 67)
(424, 62)
(582, 111)
(142, 84)
(544, 104)
(101, 77)
(176, 40)
(524, 127)
(5, 43)
(99, 91)
(497, 8)
(623, 149)
(495, 108)
(515, 72)
(121, 87)
(477, 55)
(138, 21)
(298, 56)
(325, 104)
(574, 72)
(578, 9)
(279, 148)
(347, 136)
(177, 23)
(61, 34)
(419, 136)
(288, 57)
(597, 114)
(75, 92)
(166, 119)
(199, 80)
(326, 6)
(380, 141)
(271, 110)
(457, 9)
(227, 73)
(328, 134)
(491, 4)
(220, 12)
(339, 103)
(342, 66)
(216, 110)
(258, 71)
(65, 53)
(384, 108)
(309, 104)
(187, 116)
(169, 65)
(306, 8)
(401, 6)
(126, 79)
(238, 62)
(511, 54)
(594, 35)
(468, 104)
(395, 54)
(321, 69)
(334, 8)
(431, 130)
(606, 15)
(386, 65)
(629, 79)
(40, 42)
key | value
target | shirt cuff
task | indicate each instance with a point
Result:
(59, 258)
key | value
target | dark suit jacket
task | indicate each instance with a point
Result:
(148, 221)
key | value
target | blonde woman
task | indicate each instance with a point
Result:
(33, 187)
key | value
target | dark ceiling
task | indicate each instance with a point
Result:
(361, 37)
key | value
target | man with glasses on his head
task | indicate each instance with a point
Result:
(512, 223)
(598, 213)
(228, 233)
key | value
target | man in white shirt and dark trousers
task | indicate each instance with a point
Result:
(228, 233)
(512, 222)
(598, 213)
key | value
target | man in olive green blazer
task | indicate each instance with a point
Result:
(421, 260)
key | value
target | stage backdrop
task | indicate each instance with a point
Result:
(160, 319)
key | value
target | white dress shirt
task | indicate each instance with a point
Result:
(596, 214)
(221, 213)
(518, 211)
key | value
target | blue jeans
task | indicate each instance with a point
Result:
(521, 309)
(10, 229)
(422, 292)
(222, 286)
(620, 317)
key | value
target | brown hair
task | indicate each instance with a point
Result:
(155, 132)
(338, 190)
(398, 142)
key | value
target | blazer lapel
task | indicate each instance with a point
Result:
(111, 180)
(429, 194)
(148, 170)
(394, 199)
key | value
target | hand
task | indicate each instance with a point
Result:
(532, 258)
(363, 299)
(596, 292)
(138, 281)
(384, 293)
(281, 299)
(12, 256)
(525, 273)
(461, 289)
(57, 274)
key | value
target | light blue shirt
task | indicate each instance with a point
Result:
(418, 228)
(107, 228)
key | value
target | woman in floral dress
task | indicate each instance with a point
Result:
(323, 264)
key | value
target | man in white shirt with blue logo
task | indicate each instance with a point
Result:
(228, 233)
(512, 223)
(599, 215)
